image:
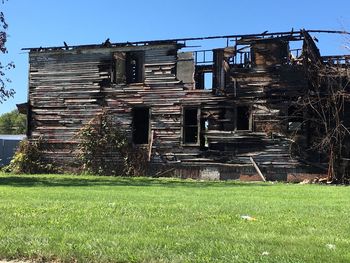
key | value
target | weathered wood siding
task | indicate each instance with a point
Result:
(267, 92)
(256, 83)
(68, 88)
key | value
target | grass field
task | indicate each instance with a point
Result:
(108, 219)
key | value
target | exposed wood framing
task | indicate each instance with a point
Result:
(67, 88)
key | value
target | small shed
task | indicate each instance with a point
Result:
(8, 145)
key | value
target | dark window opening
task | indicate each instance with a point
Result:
(243, 118)
(295, 119)
(199, 80)
(140, 125)
(104, 69)
(172, 52)
(134, 67)
(227, 119)
(190, 129)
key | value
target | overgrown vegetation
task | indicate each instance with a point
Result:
(323, 137)
(13, 123)
(104, 149)
(29, 159)
(323, 109)
(325, 106)
(117, 219)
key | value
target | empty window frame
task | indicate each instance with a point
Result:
(208, 80)
(203, 138)
(134, 67)
(128, 67)
(191, 127)
(140, 125)
(243, 118)
(295, 119)
(204, 77)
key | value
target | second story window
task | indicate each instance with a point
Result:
(134, 67)
(128, 67)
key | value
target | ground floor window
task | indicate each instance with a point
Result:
(295, 119)
(140, 125)
(191, 125)
(243, 118)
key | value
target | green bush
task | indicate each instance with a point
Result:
(104, 149)
(28, 159)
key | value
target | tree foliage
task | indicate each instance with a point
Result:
(5, 93)
(13, 123)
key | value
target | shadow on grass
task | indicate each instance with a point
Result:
(56, 181)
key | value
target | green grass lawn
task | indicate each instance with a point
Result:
(111, 219)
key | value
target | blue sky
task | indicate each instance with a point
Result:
(44, 23)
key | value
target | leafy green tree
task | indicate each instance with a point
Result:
(5, 93)
(12, 123)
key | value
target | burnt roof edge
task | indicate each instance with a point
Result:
(177, 40)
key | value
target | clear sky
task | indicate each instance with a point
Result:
(35, 23)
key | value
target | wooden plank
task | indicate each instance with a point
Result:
(257, 169)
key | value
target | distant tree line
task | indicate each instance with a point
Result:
(13, 123)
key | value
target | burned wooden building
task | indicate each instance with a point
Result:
(222, 113)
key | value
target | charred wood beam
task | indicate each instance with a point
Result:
(310, 49)
(343, 59)
(177, 40)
